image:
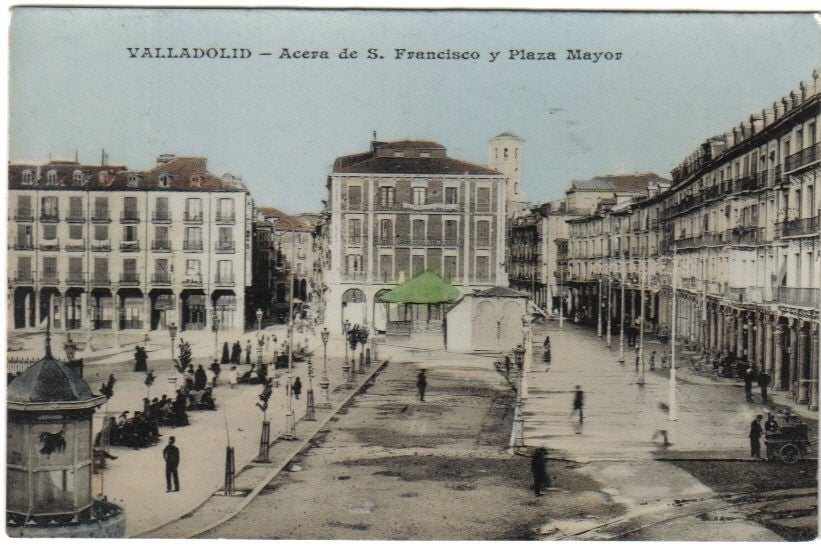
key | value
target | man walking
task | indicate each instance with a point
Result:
(171, 454)
(538, 466)
(764, 383)
(748, 384)
(421, 384)
(755, 437)
(578, 403)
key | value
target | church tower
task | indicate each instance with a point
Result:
(506, 157)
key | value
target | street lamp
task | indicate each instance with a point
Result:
(70, 348)
(260, 341)
(346, 368)
(517, 437)
(259, 320)
(309, 400)
(325, 384)
(215, 327)
(172, 332)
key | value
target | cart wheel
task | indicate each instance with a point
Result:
(790, 453)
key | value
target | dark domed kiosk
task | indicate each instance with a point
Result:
(49, 456)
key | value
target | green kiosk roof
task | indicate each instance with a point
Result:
(424, 288)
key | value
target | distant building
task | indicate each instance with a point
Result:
(103, 248)
(404, 207)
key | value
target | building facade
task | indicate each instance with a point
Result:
(102, 248)
(741, 222)
(405, 207)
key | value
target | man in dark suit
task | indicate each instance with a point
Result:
(171, 454)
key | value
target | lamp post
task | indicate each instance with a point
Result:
(324, 383)
(172, 332)
(260, 341)
(609, 303)
(517, 437)
(346, 368)
(598, 314)
(621, 312)
(309, 400)
(215, 327)
(70, 348)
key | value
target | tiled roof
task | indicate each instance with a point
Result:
(508, 135)
(636, 182)
(410, 144)
(290, 221)
(184, 174)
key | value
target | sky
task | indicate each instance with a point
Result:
(279, 123)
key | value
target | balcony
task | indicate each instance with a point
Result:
(23, 215)
(50, 278)
(24, 277)
(101, 280)
(101, 216)
(49, 217)
(426, 242)
(797, 296)
(797, 227)
(101, 245)
(354, 206)
(128, 217)
(25, 245)
(192, 217)
(75, 217)
(76, 245)
(354, 276)
(388, 206)
(50, 245)
(129, 247)
(746, 235)
(161, 217)
(192, 245)
(129, 278)
(161, 278)
(803, 158)
(161, 245)
(482, 207)
(225, 218)
(76, 278)
(224, 247)
(354, 241)
(224, 281)
(481, 242)
(193, 281)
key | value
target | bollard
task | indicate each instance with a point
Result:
(346, 375)
(264, 443)
(309, 402)
(368, 357)
(361, 363)
(229, 471)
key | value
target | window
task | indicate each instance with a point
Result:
(129, 270)
(101, 232)
(24, 237)
(75, 268)
(418, 231)
(192, 271)
(101, 269)
(450, 267)
(225, 209)
(75, 207)
(75, 232)
(354, 231)
(51, 177)
(386, 230)
(387, 195)
(133, 180)
(161, 209)
(50, 232)
(164, 180)
(161, 273)
(451, 231)
(386, 268)
(353, 264)
(451, 195)
(483, 199)
(225, 272)
(28, 177)
(193, 209)
(50, 268)
(196, 181)
(161, 240)
(483, 233)
(130, 207)
(516, 153)
(193, 235)
(420, 195)
(483, 268)
(48, 208)
(225, 239)
(130, 233)
(101, 208)
(417, 264)
(506, 154)
(354, 197)
(78, 178)
(24, 207)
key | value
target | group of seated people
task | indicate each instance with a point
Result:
(138, 431)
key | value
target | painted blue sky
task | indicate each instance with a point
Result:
(280, 123)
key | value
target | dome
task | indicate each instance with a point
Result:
(48, 380)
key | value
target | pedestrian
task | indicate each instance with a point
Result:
(578, 403)
(771, 426)
(171, 454)
(637, 360)
(422, 384)
(755, 437)
(653, 360)
(236, 353)
(748, 384)
(200, 378)
(226, 358)
(248, 352)
(232, 376)
(538, 466)
(297, 387)
(764, 383)
(215, 367)
(664, 360)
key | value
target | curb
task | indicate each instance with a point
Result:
(246, 500)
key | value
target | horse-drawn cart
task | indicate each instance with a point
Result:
(789, 443)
